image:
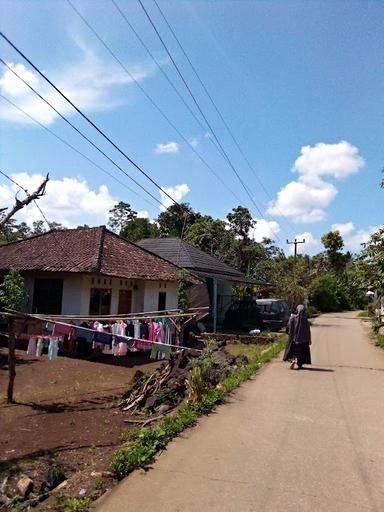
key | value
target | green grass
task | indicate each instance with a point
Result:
(251, 351)
(380, 340)
(146, 442)
(363, 314)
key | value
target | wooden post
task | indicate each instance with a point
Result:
(214, 304)
(11, 358)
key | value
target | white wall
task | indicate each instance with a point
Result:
(77, 292)
(151, 295)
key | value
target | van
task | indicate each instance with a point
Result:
(274, 313)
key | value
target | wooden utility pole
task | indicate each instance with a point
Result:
(295, 242)
(11, 358)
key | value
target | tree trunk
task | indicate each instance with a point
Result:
(11, 359)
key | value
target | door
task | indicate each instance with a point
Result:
(125, 302)
(47, 296)
(162, 302)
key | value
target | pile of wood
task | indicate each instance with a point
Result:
(171, 375)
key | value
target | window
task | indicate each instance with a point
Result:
(47, 296)
(100, 301)
(162, 301)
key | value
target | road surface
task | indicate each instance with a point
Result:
(309, 440)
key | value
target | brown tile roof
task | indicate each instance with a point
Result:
(85, 250)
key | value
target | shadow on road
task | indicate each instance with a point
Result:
(317, 369)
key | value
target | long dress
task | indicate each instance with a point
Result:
(299, 337)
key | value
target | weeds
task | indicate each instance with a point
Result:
(380, 340)
(77, 504)
(195, 385)
(146, 442)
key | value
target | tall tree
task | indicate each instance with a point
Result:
(176, 220)
(140, 228)
(120, 215)
(333, 243)
(212, 236)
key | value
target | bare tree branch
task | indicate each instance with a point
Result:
(39, 192)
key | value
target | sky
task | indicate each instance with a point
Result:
(298, 83)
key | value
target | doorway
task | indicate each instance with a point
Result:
(47, 296)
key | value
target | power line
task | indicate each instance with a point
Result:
(140, 169)
(152, 101)
(122, 14)
(79, 132)
(76, 150)
(198, 107)
(225, 123)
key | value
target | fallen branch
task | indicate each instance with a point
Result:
(39, 192)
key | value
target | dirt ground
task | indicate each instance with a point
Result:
(66, 411)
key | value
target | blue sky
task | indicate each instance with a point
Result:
(299, 83)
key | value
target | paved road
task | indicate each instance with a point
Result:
(310, 440)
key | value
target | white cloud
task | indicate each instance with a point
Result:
(91, 83)
(265, 229)
(143, 214)
(337, 160)
(353, 238)
(194, 142)
(307, 198)
(311, 245)
(177, 193)
(169, 147)
(69, 201)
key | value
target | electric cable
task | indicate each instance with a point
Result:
(76, 150)
(84, 116)
(219, 113)
(80, 132)
(199, 107)
(152, 101)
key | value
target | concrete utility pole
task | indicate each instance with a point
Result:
(295, 242)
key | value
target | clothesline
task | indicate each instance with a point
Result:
(128, 337)
(129, 316)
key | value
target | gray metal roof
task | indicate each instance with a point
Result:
(185, 255)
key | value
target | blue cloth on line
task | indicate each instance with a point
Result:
(102, 337)
(80, 332)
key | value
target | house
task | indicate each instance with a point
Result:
(91, 271)
(219, 277)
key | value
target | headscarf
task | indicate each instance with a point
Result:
(302, 332)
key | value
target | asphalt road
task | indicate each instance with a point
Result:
(309, 440)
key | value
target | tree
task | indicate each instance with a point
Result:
(12, 296)
(121, 215)
(333, 243)
(38, 227)
(211, 236)
(176, 220)
(140, 228)
(241, 222)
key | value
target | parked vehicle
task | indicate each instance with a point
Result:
(243, 315)
(274, 313)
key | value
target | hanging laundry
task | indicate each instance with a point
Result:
(144, 345)
(81, 332)
(144, 331)
(31, 350)
(62, 329)
(101, 337)
(53, 349)
(122, 349)
(39, 347)
(136, 328)
(159, 349)
(49, 326)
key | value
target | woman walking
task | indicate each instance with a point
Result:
(299, 339)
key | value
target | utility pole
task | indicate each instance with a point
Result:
(295, 242)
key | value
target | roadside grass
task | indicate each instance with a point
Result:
(145, 442)
(363, 314)
(252, 352)
(380, 341)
